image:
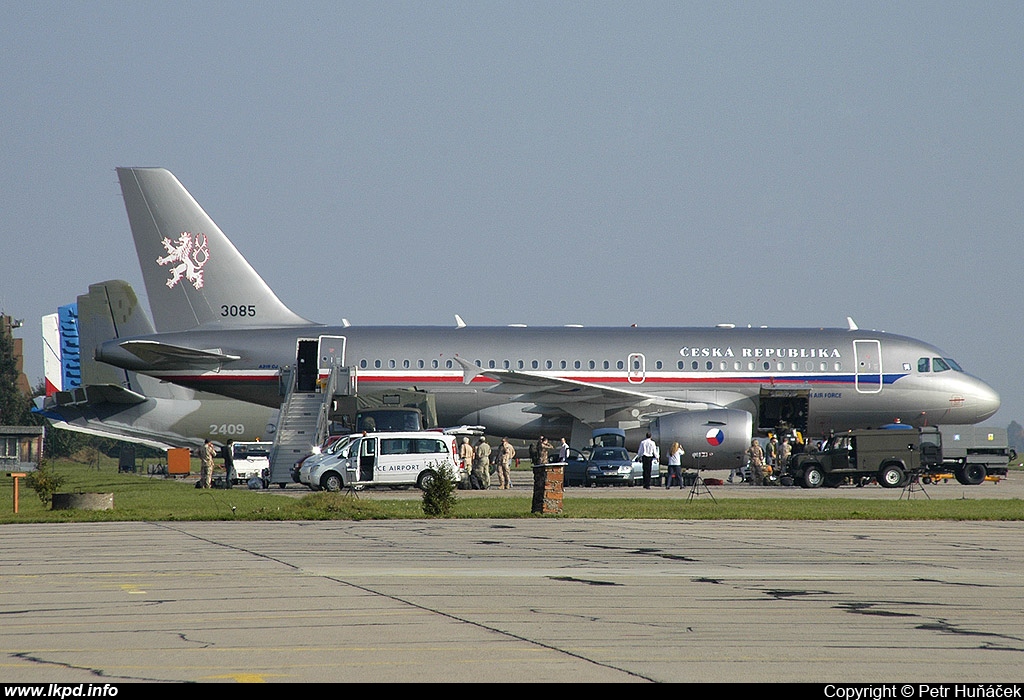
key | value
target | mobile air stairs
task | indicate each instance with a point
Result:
(303, 422)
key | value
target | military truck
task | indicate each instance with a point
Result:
(890, 457)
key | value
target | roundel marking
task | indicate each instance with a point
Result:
(715, 437)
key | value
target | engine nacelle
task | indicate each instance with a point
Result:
(713, 439)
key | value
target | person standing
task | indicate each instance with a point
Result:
(647, 453)
(771, 453)
(229, 463)
(466, 455)
(206, 459)
(506, 453)
(785, 451)
(482, 464)
(544, 446)
(756, 457)
(675, 465)
(563, 451)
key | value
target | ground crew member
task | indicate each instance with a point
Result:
(229, 463)
(506, 453)
(466, 454)
(771, 454)
(785, 450)
(480, 478)
(756, 456)
(206, 459)
(543, 447)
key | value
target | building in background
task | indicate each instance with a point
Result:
(7, 326)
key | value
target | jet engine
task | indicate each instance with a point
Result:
(713, 439)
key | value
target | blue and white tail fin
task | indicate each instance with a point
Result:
(62, 369)
(194, 275)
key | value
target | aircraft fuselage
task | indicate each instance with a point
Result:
(850, 378)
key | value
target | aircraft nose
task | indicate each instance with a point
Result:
(985, 401)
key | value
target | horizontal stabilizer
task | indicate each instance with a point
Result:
(164, 355)
(98, 429)
(96, 394)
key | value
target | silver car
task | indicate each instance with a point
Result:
(338, 450)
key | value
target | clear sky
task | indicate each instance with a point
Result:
(658, 163)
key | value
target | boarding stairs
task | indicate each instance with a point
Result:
(303, 423)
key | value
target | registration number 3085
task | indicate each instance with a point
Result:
(237, 310)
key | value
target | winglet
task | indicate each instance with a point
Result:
(851, 324)
(459, 323)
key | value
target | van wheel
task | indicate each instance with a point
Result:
(425, 480)
(892, 476)
(331, 482)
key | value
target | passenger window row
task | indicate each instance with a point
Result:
(694, 365)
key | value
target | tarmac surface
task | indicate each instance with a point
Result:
(540, 600)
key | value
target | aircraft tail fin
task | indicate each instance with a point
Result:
(52, 374)
(194, 275)
(111, 309)
(62, 366)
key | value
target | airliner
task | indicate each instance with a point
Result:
(713, 389)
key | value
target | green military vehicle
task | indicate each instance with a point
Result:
(890, 456)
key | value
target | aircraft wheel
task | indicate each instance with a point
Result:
(813, 477)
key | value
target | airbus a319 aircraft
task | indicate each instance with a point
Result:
(711, 389)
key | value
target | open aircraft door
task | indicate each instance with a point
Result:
(867, 358)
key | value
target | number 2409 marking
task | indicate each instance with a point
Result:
(238, 310)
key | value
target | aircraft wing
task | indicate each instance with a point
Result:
(587, 402)
(164, 355)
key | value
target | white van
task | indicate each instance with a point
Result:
(250, 459)
(389, 459)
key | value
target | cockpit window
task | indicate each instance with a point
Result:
(952, 363)
(924, 365)
(939, 365)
